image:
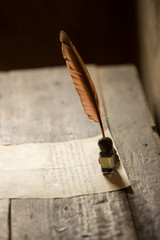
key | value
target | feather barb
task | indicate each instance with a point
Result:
(82, 80)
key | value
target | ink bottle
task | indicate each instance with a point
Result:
(107, 155)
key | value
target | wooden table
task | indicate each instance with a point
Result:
(41, 105)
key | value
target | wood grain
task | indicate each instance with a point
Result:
(138, 144)
(4, 219)
(148, 18)
(42, 106)
(103, 216)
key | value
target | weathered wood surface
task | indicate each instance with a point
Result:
(138, 144)
(42, 106)
(96, 216)
(4, 218)
(148, 19)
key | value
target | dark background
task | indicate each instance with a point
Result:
(103, 31)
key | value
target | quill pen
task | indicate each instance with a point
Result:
(82, 80)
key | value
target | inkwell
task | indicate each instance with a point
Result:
(107, 155)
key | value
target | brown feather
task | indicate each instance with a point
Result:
(82, 80)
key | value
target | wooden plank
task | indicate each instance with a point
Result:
(138, 144)
(4, 219)
(42, 106)
(148, 19)
(38, 106)
(103, 216)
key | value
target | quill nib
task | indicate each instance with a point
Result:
(82, 80)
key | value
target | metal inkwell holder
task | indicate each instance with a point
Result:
(107, 156)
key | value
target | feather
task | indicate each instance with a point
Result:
(82, 80)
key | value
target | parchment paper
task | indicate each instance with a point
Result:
(56, 170)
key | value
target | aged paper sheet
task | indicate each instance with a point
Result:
(55, 170)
